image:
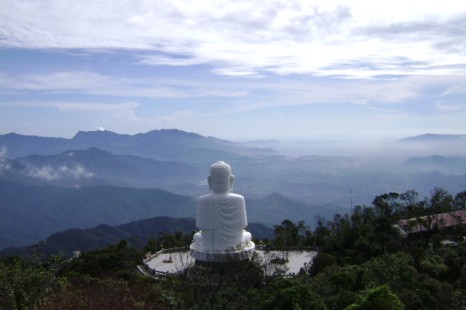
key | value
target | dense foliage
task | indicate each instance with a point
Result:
(363, 263)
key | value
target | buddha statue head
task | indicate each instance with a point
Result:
(220, 179)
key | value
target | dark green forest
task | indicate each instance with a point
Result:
(363, 262)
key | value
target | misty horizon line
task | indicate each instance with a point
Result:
(426, 144)
(333, 139)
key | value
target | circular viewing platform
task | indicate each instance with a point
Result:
(177, 260)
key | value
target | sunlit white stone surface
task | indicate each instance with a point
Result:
(221, 218)
(170, 262)
(181, 260)
(295, 260)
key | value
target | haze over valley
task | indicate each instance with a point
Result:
(101, 177)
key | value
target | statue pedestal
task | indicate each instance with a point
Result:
(245, 253)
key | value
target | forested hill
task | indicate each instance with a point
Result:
(137, 233)
(33, 212)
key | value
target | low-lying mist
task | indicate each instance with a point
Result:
(296, 148)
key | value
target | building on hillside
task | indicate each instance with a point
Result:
(427, 223)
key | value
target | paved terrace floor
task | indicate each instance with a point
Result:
(176, 262)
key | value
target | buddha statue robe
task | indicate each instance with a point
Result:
(221, 219)
(221, 216)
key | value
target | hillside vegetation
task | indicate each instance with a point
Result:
(363, 263)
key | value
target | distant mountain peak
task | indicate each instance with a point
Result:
(160, 144)
(162, 133)
(171, 132)
(431, 137)
(178, 132)
(96, 134)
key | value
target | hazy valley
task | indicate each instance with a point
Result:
(53, 184)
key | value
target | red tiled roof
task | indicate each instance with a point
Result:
(443, 220)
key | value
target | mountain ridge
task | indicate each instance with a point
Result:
(163, 144)
(137, 233)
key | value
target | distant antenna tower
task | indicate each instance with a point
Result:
(351, 199)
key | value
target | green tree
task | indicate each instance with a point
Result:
(85, 292)
(25, 284)
(322, 233)
(384, 232)
(338, 286)
(322, 261)
(460, 200)
(380, 298)
(409, 206)
(112, 259)
(152, 246)
(286, 234)
(291, 294)
(433, 265)
(305, 236)
(441, 201)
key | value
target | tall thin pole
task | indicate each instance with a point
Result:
(351, 199)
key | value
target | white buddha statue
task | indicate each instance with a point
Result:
(221, 218)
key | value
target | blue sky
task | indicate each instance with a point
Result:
(239, 70)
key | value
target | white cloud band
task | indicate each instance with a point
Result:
(343, 38)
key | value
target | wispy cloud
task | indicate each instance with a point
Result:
(56, 81)
(92, 83)
(3, 152)
(247, 95)
(74, 106)
(96, 107)
(456, 89)
(50, 173)
(170, 61)
(245, 38)
(4, 163)
(444, 106)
